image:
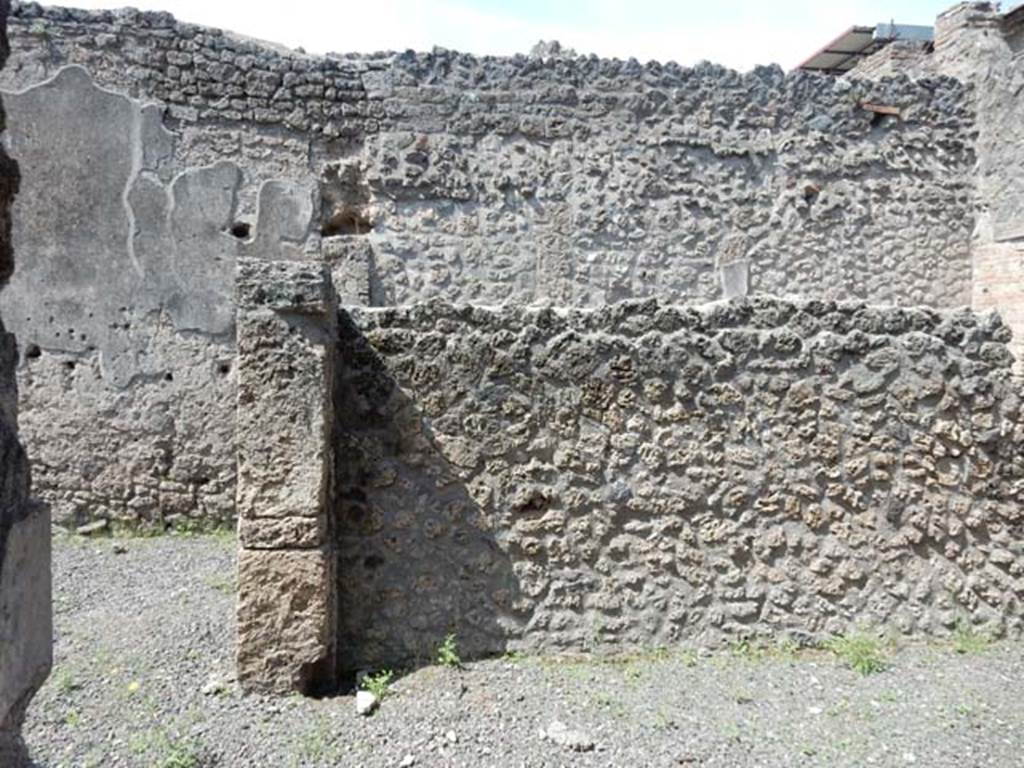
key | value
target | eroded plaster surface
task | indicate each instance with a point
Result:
(124, 302)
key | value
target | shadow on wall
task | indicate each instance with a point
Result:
(416, 557)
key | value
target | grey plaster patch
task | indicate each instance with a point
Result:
(203, 250)
(127, 306)
(735, 278)
(284, 217)
(112, 240)
(76, 145)
(156, 141)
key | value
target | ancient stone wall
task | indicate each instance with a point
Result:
(983, 48)
(645, 473)
(898, 57)
(575, 180)
(25, 618)
(566, 181)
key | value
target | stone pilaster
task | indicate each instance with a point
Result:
(287, 313)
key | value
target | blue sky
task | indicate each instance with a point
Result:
(738, 33)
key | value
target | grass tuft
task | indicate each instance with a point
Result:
(967, 641)
(448, 653)
(163, 750)
(861, 653)
(378, 684)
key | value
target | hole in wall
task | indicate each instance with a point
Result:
(32, 351)
(224, 368)
(241, 230)
(168, 376)
(346, 221)
(69, 365)
(344, 196)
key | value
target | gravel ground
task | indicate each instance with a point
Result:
(143, 678)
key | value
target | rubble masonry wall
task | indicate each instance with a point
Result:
(573, 182)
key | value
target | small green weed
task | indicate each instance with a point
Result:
(188, 526)
(166, 751)
(859, 652)
(967, 641)
(663, 721)
(787, 649)
(745, 649)
(65, 682)
(139, 531)
(317, 746)
(378, 684)
(888, 697)
(658, 653)
(611, 704)
(732, 732)
(181, 756)
(221, 583)
(782, 650)
(448, 652)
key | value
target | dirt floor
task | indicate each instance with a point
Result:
(143, 677)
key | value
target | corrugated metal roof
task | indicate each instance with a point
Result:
(843, 53)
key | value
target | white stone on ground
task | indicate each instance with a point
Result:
(564, 736)
(366, 702)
